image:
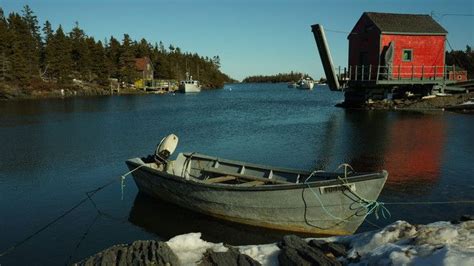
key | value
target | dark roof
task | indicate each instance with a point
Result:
(405, 23)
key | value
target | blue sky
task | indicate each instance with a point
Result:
(250, 36)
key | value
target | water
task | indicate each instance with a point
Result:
(54, 151)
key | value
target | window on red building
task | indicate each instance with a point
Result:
(407, 55)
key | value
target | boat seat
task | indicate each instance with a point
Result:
(219, 179)
(251, 184)
(213, 170)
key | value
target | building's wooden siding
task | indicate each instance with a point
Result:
(364, 38)
(427, 55)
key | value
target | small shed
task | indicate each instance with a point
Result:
(387, 46)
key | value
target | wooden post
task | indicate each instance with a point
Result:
(355, 75)
(370, 72)
(435, 72)
(378, 72)
(339, 72)
(454, 72)
(350, 72)
(362, 72)
(399, 71)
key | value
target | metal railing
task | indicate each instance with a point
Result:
(399, 72)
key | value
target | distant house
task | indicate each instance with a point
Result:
(397, 46)
(144, 68)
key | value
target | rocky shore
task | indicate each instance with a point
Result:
(430, 103)
(401, 243)
(45, 90)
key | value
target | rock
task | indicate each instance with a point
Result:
(232, 257)
(138, 253)
(295, 251)
(336, 249)
(464, 218)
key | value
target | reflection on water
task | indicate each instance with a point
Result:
(167, 220)
(408, 145)
(416, 144)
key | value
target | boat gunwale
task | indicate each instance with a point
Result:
(268, 187)
(246, 164)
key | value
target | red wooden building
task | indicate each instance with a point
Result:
(390, 46)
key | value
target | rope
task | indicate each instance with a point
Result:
(370, 206)
(430, 202)
(82, 238)
(89, 195)
(122, 179)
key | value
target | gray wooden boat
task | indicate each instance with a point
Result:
(258, 195)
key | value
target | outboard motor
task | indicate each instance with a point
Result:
(166, 148)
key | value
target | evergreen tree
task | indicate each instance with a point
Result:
(80, 53)
(46, 50)
(142, 49)
(127, 61)
(99, 70)
(21, 39)
(5, 46)
(59, 56)
(113, 53)
(33, 41)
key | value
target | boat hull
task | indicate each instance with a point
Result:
(294, 207)
(189, 88)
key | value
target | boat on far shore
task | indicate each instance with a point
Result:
(306, 83)
(303, 83)
(189, 85)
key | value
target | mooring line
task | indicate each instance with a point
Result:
(82, 238)
(429, 202)
(89, 195)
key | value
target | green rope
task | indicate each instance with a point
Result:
(371, 206)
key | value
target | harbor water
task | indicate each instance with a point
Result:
(54, 151)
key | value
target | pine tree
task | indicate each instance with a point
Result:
(113, 50)
(127, 61)
(20, 41)
(4, 48)
(60, 56)
(46, 50)
(32, 42)
(80, 53)
(98, 69)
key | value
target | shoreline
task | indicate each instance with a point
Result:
(14, 92)
(437, 103)
(397, 243)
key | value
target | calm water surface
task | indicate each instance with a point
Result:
(54, 151)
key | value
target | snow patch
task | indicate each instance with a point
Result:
(400, 243)
(190, 248)
(265, 254)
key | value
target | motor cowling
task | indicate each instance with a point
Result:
(166, 147)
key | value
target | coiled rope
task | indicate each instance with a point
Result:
(371, 206)
(375, 207)
(89, 195)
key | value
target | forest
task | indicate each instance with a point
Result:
(280, 77)
(36, 57)
(463, 59)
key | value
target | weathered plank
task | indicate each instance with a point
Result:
(246, 177)
(219, 179)
(252, 183)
